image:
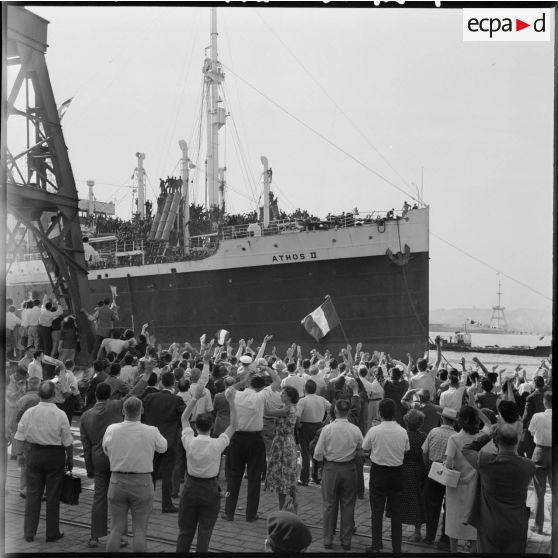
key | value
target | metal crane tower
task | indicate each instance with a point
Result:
(36, 176)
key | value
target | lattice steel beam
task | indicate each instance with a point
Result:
(39, 178)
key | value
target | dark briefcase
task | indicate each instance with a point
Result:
(71, 487)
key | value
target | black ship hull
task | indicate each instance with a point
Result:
(375, 274)
(380, 304)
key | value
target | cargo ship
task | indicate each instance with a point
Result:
(261, 277)
(461, 342)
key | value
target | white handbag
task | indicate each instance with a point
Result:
(440, 473)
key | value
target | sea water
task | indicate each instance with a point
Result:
(509, 362)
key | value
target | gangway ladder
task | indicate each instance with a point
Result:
(159, 216)
(168, 217)
(171, 218)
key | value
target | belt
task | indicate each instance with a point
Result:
(376, 399)
(248, 431)
(339, 462)
(542, 447)
(44, 446)
(129, 473)
(201, 478)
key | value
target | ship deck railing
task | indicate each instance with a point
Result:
(286, 226)
(133, 252)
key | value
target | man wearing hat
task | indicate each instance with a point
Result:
(434, 449)
(286, 534)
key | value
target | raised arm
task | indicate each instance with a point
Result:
(438, 342)
(241, 345)
(233, 425)
(481, 365)
(197, 394)
(261, 351)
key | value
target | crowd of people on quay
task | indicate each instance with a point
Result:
(151, 413)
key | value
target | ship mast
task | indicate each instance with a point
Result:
(498, 311)
(185, 197)
(140, 174)
(213, 77)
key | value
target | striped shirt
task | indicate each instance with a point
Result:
(436, 442)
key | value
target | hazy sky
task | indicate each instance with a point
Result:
(398, 90)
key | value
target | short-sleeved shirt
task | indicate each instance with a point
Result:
(130, 446)
(203, 454)
(203, 405)
(296, 381)
(387, 442)
(312, 408)
(425, 380)
(541, 428)
(436, 442)
(452, 398)
(338, 442)
(250, 408)
(45, 424)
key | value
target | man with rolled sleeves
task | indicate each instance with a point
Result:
(387, 443)
(541, 429)
(201, 499)
(247, 447)
(47, 431)
(337, 447)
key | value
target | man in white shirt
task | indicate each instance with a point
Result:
(425, 379)
(46, 430)
(201, 498)
(46, 316)
(203, 402)
(455, 396)
(338, 446)
(247, 448)
(33, 321)
(128, 371)
(35, 368)
(130, 446)
(310, 411)
(387, 444)
(541, 429)
(293, 379)
(12, 321)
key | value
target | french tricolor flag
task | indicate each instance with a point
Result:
(322, 320)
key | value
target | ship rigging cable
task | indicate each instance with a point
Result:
(238, 145)
(364, 165)
(339, 108)
(490, 266)
(320, 135)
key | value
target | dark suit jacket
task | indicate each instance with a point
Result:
(90, 398)
(534, 404)
(93, 425)
(504, 481)
(163, 410)
(147, 391)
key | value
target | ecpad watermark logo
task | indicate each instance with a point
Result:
(504, 24)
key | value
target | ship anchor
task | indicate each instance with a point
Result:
(400, 258)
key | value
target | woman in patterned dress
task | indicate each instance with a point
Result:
(414, 473)
(282, 465)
